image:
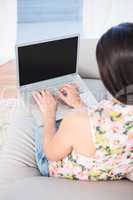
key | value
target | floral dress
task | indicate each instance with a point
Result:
(112, 129)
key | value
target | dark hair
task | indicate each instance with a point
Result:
(114, 55)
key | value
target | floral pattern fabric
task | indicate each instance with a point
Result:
(112, 129)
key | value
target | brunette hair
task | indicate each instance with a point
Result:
(114, 55)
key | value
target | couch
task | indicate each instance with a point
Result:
(19, 176)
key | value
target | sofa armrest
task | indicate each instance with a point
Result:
(97, 88)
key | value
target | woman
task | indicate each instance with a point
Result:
(95, 143)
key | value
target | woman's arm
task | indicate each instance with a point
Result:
(58, 144)
(74, 129)
(55, 145)
(73, 133)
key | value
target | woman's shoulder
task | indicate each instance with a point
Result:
(75, 115)
(109, 108)
(105, 108)
(113, 103)
(76, 121)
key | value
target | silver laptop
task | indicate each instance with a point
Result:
(48, 65)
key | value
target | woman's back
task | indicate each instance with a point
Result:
(112, 131)
(98, 146)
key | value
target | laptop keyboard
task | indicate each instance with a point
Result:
(87, 97)
(85, 94)
(55, 89)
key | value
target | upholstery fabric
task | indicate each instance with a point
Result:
(18, 165)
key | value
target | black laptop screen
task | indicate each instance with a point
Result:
(46, 60)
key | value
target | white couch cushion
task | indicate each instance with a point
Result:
(87, 58)
(17, 157)
(5, 110)
(43, 188)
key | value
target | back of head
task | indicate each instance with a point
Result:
(115, 61)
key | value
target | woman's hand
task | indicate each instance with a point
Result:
(69, 95)
(47, 103)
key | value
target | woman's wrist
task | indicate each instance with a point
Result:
(80, 105)
(49, 127)
(49, 117)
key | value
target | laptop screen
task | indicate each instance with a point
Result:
(46, 60)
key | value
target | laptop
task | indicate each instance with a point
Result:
(48, 65)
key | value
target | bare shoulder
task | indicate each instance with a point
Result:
(76, 129)
(75, 119)
(77, 115)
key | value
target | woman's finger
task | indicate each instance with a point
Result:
(38, 95)
(64, 91)
(34, 96)
(61, 96)
(75, 85)
(68, 88)
(70, 85)
(57, 98)
(43, 93)
(64, 86)
(48, 92)
(36, 99)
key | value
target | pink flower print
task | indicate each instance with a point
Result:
(116, 142)
(65, 170)
(131, 149)
(53, 170)
(115, 129)
(77, 170)
(70, 166)
(74, 154)
(121, 169)
(119, 157)
(53, 163)
(83, 175)
(85, 160)
(130, 135)
(130, 138)
(130, 113)
(98, 155)
(111, 174)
